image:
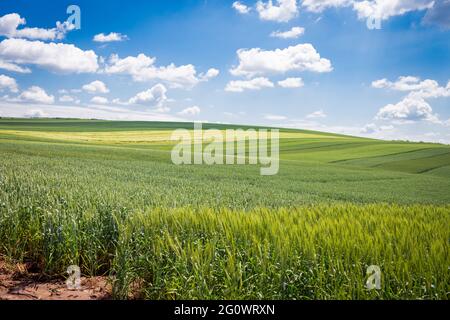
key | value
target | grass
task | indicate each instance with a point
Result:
(105, 195)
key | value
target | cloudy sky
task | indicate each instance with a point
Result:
(377, 68)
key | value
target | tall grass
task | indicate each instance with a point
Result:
(317, 252)
(313, 252)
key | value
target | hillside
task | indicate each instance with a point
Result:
(105, 196)
(315, 166)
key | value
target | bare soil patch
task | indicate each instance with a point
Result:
(17, 282)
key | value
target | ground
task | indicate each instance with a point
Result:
(105, 196)
(17, 283)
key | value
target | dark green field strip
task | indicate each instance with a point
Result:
(345, 152)
(405, 155)
(68, 125)
(421, 165)
(296, 146)
(440, 172)
(322, 150)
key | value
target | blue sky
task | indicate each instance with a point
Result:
(312, 64)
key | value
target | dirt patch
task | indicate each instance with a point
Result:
(18, 283)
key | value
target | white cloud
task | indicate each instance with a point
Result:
(240, 7)
(369, 128)
(96, 86)
(211, 73)
(413, 107)
(155, 96)
(316, 114)
(142, 69)
(409, 109)
(111, 37)
(291, 83)
(426, 89)
(293, 33)
(13, 67)
(99, 100)
(253, 84)
(8, 83)
(191, 111)
(274, 117)
(302, 57)
(156, 93)
(36, 94)
(372, 128)
(320, 5)
(379, 9)
(282, 11)
(384, 9)
(10, 23)
(53, 56)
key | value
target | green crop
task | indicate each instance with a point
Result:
(105, 196)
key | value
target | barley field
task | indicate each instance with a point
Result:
(105, 196)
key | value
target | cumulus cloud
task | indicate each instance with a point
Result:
(293, 33)
(302, 57)
(413, 107)
(10, 23)
(8, 83)
(142, 69)
(425, 89)
(99, 100)
(155, 97)
(369, 128)
(58, 57)
(372, 128)
(409, 109)
(316, 114)
(5, 65)
(291, 83)
(281, 11)
(384, 9)
(240, 7)
(253, 84)
(96, 86)
(36, 94)
(191, 111)
(211, 73)
(111, 37)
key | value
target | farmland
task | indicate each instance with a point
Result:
(105, 196)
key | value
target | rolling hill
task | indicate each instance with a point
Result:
(105, 195)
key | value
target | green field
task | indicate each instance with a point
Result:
(105, 196)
